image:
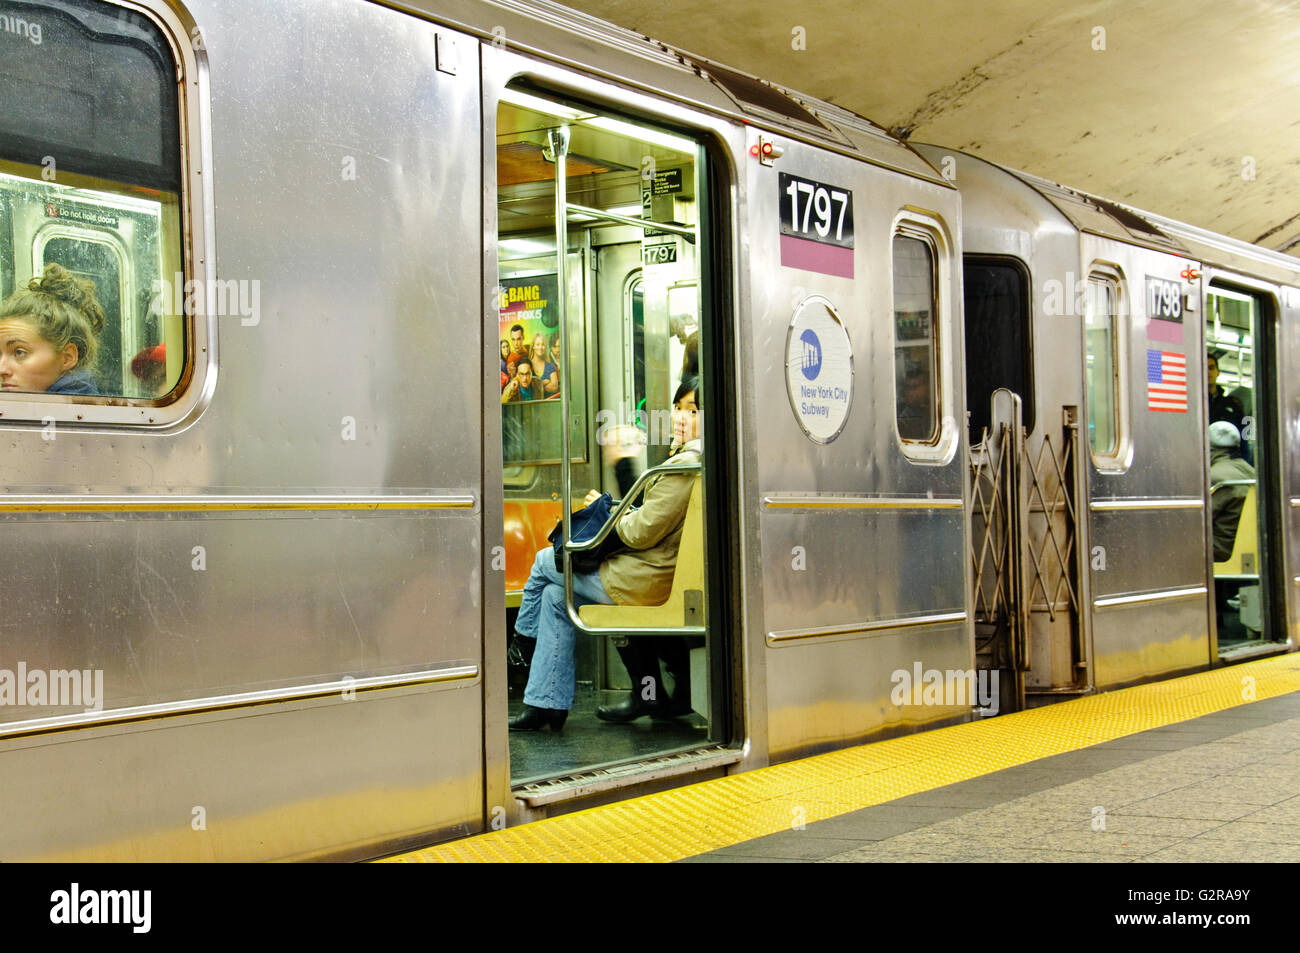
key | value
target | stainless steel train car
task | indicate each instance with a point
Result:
(1102, 321)
(389, 287)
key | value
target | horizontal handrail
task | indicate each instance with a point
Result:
(1147, 504)
(1146, 597)
(1232, 483)
(344, 689)
(644, 223)
(827, 502)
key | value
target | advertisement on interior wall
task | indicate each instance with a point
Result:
(530, 335)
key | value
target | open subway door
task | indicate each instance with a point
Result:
(1240, 389)
(602, 382)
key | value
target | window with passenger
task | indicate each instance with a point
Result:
(90, 225)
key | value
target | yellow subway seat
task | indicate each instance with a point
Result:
(688, 576)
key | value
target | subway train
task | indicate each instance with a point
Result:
(389, 287)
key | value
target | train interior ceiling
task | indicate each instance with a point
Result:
(632, 313)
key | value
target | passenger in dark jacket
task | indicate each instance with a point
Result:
(75, 382)
(1222, 406)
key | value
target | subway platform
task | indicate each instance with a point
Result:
(1204, 768)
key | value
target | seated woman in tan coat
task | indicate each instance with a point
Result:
(642, 576)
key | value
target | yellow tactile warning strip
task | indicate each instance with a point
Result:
(712, 814)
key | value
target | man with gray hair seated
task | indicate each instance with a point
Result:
(1226, 502)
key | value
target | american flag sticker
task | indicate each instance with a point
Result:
(1167, 381)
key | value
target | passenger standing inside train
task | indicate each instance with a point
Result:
(1222, 406)
(691, 356)
(641, 576)
(49, 335)
(1226, 502)
(546, 373)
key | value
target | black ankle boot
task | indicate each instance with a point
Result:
(629, 709)
(532, 719)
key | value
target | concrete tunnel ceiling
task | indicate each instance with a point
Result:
(1190, 109)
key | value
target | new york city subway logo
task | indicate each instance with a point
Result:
(810, 358)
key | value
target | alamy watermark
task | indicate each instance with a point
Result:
(1069, 298)
(232, 297)
(634, 426)
(950, 688)
(55, 688)
(78, 905)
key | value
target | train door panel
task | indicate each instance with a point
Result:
(612, 357)
(1025, 501)
(858, 387)
(1145, 467)
(1240, 349)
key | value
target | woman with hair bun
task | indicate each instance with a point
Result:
(49, 335)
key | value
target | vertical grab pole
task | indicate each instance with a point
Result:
(1018, 510)
(1006, 420)
(559, 143)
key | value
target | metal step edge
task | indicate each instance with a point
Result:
(587, 783)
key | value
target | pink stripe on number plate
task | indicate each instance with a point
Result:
(814, 256)
(1171, 331)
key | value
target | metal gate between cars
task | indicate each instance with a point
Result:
(1024, 548)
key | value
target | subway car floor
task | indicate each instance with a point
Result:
(1203, 767)
(586, 740)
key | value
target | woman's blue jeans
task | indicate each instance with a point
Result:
(542, 616)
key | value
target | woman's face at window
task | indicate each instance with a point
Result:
(28, 362)
(686, 418)
(539, 346)
(505, 350)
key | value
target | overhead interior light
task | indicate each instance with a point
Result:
(632, 131)
(526, 246)
(515, 97)
(626, 209)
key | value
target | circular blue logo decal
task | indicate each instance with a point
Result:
(810, 355)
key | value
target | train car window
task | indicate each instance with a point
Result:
(90, 181)
(634, 337)
(996, 294)
(916, 339)
(1102, 380)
